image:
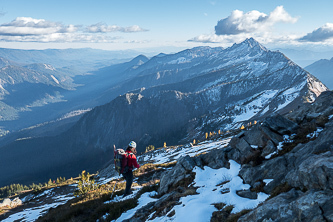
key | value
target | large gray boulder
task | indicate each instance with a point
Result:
(280, 124)
(214, 159)
(315, 172)
(294, 206)
(181, 171)
(275, 169)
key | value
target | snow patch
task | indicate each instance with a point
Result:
(199, 207)
(249, 109)
(267, 181)
(31, 214)
(143, 200)
(54, 79)
(180, 60)
(49, 67)
(254, 146)
(315, 134)
(166, 155)
(290, 95)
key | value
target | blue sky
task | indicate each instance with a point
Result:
(136, 24)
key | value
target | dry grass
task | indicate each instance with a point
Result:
(235, 217)
(282, 188)
(91, 207)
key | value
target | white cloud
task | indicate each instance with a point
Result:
(113, 28)
(321, 34)
(61, 37)
(26, 29)
(137, 41)
(239, 22)
(28, 26)
(264, 38)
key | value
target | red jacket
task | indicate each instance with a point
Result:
(131, 160)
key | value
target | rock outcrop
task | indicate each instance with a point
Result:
(282, 149)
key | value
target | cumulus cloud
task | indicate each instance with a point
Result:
(264, 38)
(61, 37)
(26, 29)
(22, 26)
(321, 34)
(239, 22)
(103, 28)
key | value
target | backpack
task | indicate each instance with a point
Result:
(120, 160)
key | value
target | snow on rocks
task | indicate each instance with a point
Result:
(315, 134)
(199, 207)
(142, 201)
(31, 214)
(168, 154)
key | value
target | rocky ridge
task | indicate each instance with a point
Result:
(298, 177)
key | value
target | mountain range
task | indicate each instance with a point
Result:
(172, 98)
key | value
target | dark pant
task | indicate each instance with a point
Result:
(129, 180)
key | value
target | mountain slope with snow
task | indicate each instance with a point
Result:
(178, 98)
(244, 82)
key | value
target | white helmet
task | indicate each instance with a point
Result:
(132, 144)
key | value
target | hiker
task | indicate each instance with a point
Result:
(131, 163)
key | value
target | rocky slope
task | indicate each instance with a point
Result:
(288, 158)
(277, 170)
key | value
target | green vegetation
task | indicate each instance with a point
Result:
(150, 148)
(85, 184)
(12, 189)
(91, 206)
(16, 189)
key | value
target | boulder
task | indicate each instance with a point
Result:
(242, 150)
(275, 169)
(179, 172)
(268, 149)
(315, 172)
(274, 137)
(215, 159)
(247, 194)
(294, 206)
(255, 137)
(280, 124)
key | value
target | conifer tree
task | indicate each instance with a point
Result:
(85, 184)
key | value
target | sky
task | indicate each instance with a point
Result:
(156, 24)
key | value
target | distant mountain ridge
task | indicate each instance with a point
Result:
(83, 60)
(177, 98)
(323, 70)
